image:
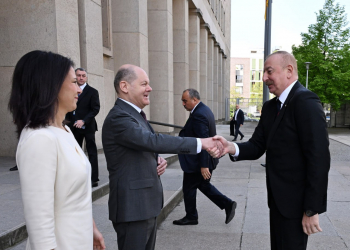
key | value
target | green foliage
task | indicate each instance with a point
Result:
(327, 47)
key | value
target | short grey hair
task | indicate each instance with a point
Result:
(124, 74)
(193, 93)
(81, 69)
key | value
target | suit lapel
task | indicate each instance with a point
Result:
(81, 96)
(281, 113)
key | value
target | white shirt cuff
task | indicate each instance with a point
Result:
(237, 150)
(199, 145)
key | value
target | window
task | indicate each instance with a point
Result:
(106, 27)
(239, 73)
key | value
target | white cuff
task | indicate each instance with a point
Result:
(237, 150)
(199, 145)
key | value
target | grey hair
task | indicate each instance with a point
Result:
(81, 69)
(124, 74)
(287, 59)
(193, 93)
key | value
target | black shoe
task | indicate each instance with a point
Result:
(230, 211)
(262, 164)
(184, 221)
(15, 168)
(234, 139)
(94, 184)
(242, 137)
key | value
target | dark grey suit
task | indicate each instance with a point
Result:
(131, 149)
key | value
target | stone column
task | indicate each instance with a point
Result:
(181, 58)
(26, 26)
(194, 48)
(91, 54)
(130, 35)
(220, 71)
(204, 63)
(215, 80)
(160, 52)
(210, 71)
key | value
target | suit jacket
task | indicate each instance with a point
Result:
(297, 152)
(130, 145)
(88, 106)
(56, 189)
(240, 117)
(200, 124)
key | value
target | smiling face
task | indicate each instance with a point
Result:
(138, 91)
(68, 95)
(277, 74)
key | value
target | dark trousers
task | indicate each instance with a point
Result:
(285, 233)
(136, 235)
(237, 127)
(232, 127)
(91, 149)
(192, 181)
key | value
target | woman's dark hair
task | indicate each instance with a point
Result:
(36, 82)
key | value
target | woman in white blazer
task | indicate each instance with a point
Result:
(53, 170)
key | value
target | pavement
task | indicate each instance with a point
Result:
(243, 182)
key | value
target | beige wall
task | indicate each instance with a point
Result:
(246, 74)
(179, 43)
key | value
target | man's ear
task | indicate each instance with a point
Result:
(123, 85)
(290, 71)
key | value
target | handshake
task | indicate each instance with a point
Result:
(218, 146)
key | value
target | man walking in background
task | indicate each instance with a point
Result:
(238, 120)
(83, 123)
(199, 168)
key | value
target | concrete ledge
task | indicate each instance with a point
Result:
(13, 236)
(100, 191)
(169, 205)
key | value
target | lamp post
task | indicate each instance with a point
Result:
(307, 71)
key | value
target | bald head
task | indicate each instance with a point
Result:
(125, 73)
(286, 59)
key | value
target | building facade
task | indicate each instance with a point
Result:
(180, 44)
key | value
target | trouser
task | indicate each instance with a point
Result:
(136, 235)
(285, 233)
(237, 126)
(192, 181)
(91, 149)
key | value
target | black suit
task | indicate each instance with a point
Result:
(200, 124)
(88, 106)
(297, 159)
(236, 123)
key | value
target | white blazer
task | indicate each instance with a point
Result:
(56, 190)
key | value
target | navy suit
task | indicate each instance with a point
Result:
(88, 106)
(200, 124)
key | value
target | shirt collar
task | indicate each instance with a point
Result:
(194, 108)
(82, 86)
(132, 105)
(285, 93)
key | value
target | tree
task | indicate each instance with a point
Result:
(326, 46)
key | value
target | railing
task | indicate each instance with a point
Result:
(165, 124)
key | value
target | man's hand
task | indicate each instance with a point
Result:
(241, 125)
(211, 143)
(227, 147)
(205, 173)
(79, 123)
(311, 224)
(162, 164)
(99, 242)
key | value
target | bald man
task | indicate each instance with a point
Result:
(293, 133)
(131, 148)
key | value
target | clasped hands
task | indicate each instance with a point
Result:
(218, 146)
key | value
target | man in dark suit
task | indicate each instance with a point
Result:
(83, 123)
(131, 148)
(238, 120)
(199, 168)
(293, 133)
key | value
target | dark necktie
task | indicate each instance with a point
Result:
(278, 103)
(143, 115)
